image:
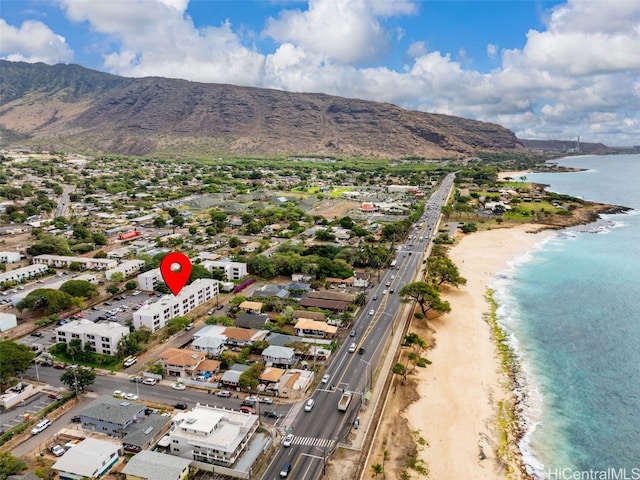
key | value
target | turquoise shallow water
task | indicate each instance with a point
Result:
(573, 309)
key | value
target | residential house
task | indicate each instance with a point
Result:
(305, 327)
(111, 416)
(270, 376)
(210, 340)
(249, 320)
(144, 433)
(91, 458)
(149, 465)
(279, 356)
(181, 363)
(294, 383)
(251, 307)
(231, 378)
(319, 316)
(241, 337)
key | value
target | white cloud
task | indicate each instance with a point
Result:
(492, 50)
(342, 31)
(33, 42)
(578, 74)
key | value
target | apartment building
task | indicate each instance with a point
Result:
(23, 273)
(61, 261)
(156, 315)
(147, 281)
(211, 434)
(232, 270)
(101, 337)
(127, 268)
(9, 257)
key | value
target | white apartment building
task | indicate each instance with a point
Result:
(61, 261)
(233, 270)
(102, 337)
(147, 281)
(127, 268)
(211, 434)
(156, 315)
(23, 273)
(9, 257)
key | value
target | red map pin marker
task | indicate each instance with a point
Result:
(175, 269)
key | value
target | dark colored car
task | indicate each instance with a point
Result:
(75, 419)
(361, 350)
(180, 406)
(37, 334)
(286, 468)
(271, 414)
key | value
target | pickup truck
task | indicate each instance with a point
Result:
(344, 402)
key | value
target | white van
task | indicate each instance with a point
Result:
(40, 426)
(130, 361)
(352, 348)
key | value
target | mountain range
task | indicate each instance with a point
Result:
(72, 108)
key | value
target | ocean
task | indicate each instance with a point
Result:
(572, 309)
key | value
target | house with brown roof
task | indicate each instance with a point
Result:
(240, 337)
(211, 367)
(294, 383)
(271, 375)
(305, 327)
(181, 363)
(319, 316)
(333, 305)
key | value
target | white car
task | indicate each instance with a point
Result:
(118, 393)
(309, 405)
(149, 381)
(131, 396)
(326, 378)
(224, 393)
(57, 450)
(268, 400)
(371, 312)
(288, 440)
(179, 386)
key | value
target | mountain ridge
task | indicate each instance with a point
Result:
(72, 107)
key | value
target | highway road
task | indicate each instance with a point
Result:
(63, 204)
(319, 431)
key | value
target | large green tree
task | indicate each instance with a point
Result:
(427, 296)
(442, 270)
(80, 377)
(10, 465)
(79, 288)
(15, 358)
(47, 300)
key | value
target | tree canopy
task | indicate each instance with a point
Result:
(81, 377)
(15, 358)
(442, 270)
(47, 300)
(79, 288)
(427, 296)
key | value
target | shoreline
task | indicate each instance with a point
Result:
(467, 409)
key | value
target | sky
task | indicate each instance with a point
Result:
(546, 69)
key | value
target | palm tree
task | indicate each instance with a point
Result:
(377, 469)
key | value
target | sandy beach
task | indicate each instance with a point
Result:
(459, 392)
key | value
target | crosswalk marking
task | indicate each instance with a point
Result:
(313, 442)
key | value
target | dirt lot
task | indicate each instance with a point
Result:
(335, 208)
